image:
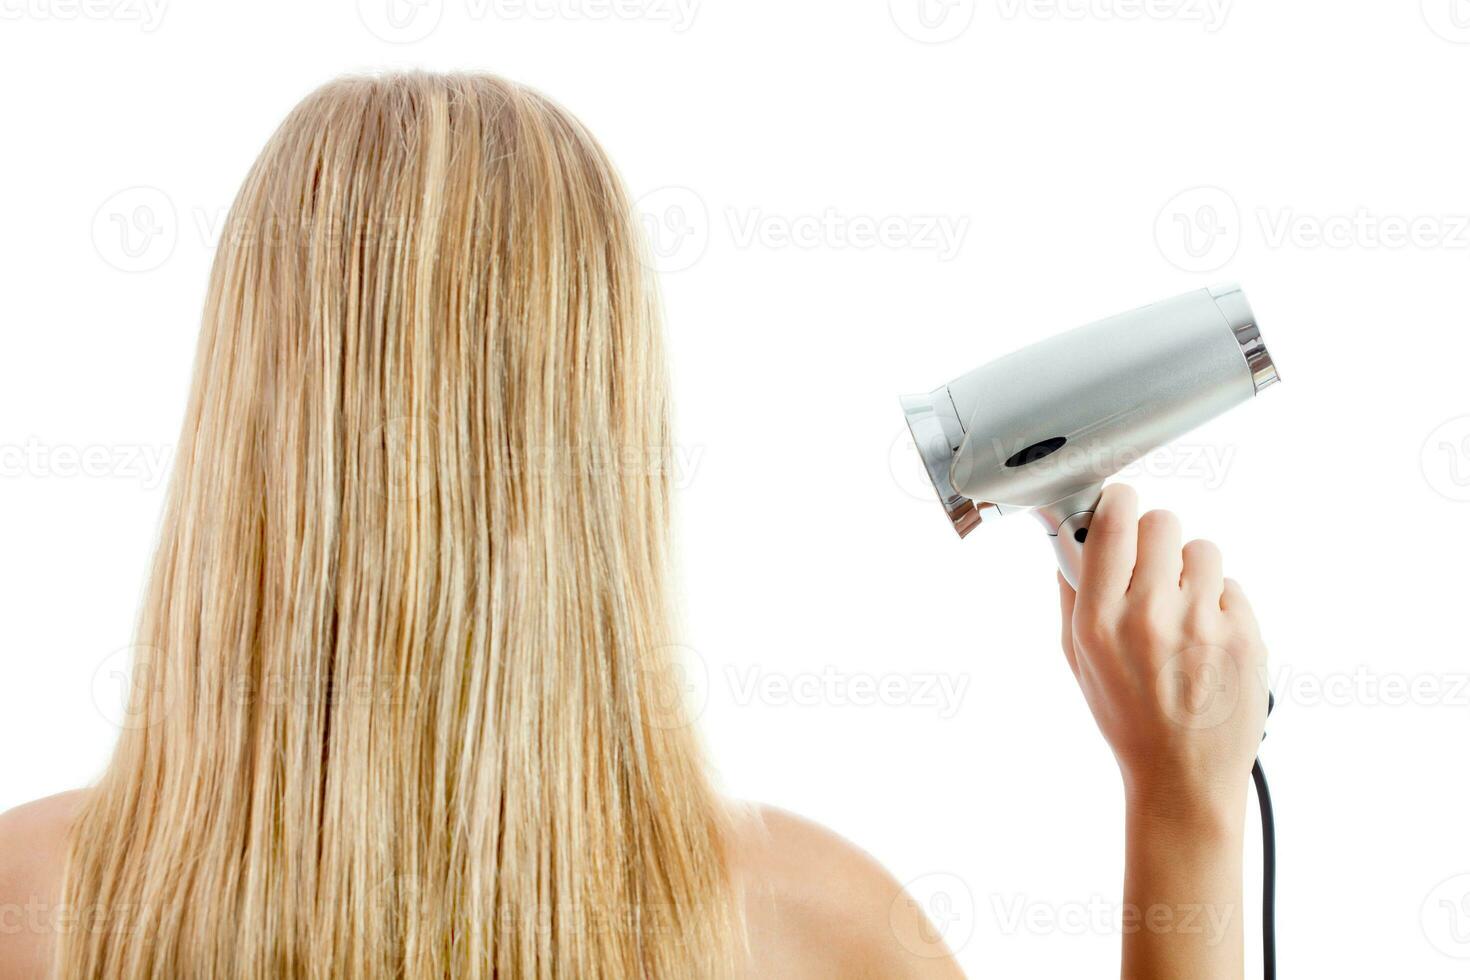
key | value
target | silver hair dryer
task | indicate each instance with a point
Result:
(1042, 428)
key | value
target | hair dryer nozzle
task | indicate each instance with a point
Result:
(1231, 301)
(937, 435)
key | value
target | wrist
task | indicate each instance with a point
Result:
(1199, 814)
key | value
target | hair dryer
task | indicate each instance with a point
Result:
(1042, 428)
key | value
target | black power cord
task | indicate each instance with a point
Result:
(1268, 870)
(1268, 860)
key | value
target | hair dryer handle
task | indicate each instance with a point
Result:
(1066, 521)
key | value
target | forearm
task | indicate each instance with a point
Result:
(1182, 893)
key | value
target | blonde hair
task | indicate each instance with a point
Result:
(401, 694)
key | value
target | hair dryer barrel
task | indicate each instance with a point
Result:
(1051, 421)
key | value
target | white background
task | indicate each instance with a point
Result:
(1030, 167)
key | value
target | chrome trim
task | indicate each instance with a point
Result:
(937, 435)
(1230, 300)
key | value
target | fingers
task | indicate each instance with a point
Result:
(1204, 570)
(1111, 548)
(1242, 618)
(1160, 558)
(1069, 602)
(1234, 602)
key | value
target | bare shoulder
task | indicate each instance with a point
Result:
(819, 906)
(32, 853)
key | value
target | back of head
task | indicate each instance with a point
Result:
(398, 702)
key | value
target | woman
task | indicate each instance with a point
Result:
(397, 704)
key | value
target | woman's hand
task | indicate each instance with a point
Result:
(1168, 655)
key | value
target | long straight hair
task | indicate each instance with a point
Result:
(404, 696)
